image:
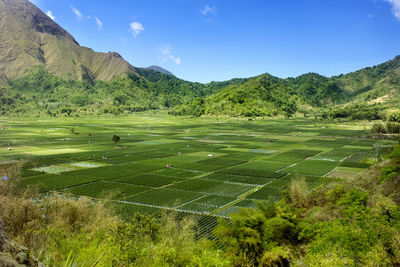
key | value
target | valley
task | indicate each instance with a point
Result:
(208, 167)
(104, 163)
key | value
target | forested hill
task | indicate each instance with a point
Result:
(370, 91)
(44, 69)
(364, 94)
(39, 91)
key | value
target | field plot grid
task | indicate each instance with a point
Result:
(205, 167)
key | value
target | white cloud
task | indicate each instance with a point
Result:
(395, 7)
(136, 28)
(371, 16)
(77, 12)
(99, 23)
(209, 10)
(50, 14)
(166, 55)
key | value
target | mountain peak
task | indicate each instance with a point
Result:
(30, 38)
(160, 69)
(32, 17)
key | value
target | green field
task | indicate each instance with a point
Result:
(215, 165)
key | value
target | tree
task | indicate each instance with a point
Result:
(116, 138)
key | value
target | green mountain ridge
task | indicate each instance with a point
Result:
(43, 69)
(266, 95)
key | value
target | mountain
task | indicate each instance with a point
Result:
(380, 83)
(364, 94)
(30, 38)
(160, 69)
(44, 69)
(264, 95)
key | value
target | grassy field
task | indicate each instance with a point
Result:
(201, 166)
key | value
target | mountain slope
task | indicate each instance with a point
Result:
(160, 69)
(380, 83)
(29, 38)
(366, 92)
(264, 95)
(43, 68)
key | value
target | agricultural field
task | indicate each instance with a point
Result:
(206, 167)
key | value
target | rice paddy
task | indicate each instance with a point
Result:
(203, 166)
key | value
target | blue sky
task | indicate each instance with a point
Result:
(205, 40)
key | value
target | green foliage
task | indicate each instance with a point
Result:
(10, 100)
(252, 233)
(47, 92)
(378, 127)
(357, 112)
(396, 152)
(393, 127)
(387, 127)
(130, 238)
(116, 138)
(390, 172)
(264, 95)
(259, 96)
(394, 117)
(318, 90)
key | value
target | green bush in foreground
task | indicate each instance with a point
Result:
(352, 223)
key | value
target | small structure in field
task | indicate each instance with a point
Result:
(169, 166)
(90, 142)
(90, 134)
(210, 155)
(9, 149)
(4, 178)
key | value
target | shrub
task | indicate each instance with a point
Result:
(378, 127)
(392, 127)
(394, 117)
(298, 193)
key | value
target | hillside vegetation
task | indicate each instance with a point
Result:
(363, 94)
(39, 91)
(345, 96)
(43, 69)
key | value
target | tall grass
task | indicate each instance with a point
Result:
(65, 231)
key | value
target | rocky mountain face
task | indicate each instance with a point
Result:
(14, 255)
(28, 37)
